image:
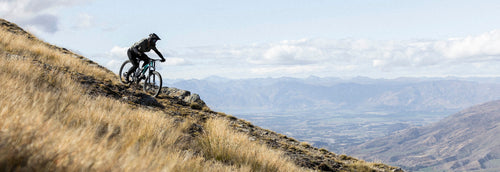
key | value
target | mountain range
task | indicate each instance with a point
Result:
(466, 141)
(359, 94)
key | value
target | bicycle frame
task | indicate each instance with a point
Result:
(151, 66)
(152, 80)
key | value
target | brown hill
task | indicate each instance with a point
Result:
(62, 112)
(466, 141)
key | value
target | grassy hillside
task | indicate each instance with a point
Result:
(62, 112)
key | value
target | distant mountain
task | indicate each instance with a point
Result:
(357, 94)
(468, 140)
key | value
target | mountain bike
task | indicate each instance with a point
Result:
(152, 83)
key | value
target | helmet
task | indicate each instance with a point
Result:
(154, 36)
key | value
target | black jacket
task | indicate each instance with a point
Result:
(145, 45)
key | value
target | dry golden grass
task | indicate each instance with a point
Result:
(224, 144)
(48, 123)
(36, 49)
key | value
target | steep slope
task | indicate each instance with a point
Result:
(62, 112)
(468, 140)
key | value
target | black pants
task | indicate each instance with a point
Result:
(135, 59)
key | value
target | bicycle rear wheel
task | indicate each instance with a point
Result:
(123, 70)
(153, 84)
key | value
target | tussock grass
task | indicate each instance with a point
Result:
(367, 166)
(48, 123)
(39, 50)
(227, 146)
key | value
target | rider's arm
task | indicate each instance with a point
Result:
(159, 54)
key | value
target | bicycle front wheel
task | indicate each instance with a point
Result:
(153, 84)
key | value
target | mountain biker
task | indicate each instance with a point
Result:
(136, 53)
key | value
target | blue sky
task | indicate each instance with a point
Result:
(245, 39)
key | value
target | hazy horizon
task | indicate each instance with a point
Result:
(347, 78)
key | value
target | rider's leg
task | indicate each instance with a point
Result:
(146, 60)
(135, 63)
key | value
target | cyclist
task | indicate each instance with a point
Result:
(136, 53)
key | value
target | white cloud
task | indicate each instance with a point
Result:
(482, 48)
(114, 58)
(44, 22)
(289, 55)
(378, 63)
(475, 47)
(476, 55)
(404, 54)
(85, 21)
(38, 14)
(175, 61)
(118, 51)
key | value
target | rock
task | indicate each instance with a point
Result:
(147, 100)
(184, 96)
(397, 170)
(195, 129)
(194, 98)
(176, 93)
(15, 57)
(325, 167)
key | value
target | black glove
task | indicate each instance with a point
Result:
(162, 60)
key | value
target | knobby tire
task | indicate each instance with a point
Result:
(153, 83)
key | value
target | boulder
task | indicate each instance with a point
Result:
(183, 95)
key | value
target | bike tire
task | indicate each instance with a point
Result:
(124, 69)
(153, 84)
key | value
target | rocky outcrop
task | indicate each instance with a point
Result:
(184, 96)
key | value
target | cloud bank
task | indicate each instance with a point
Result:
(477, 55)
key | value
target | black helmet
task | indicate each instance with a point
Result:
(154, 36)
